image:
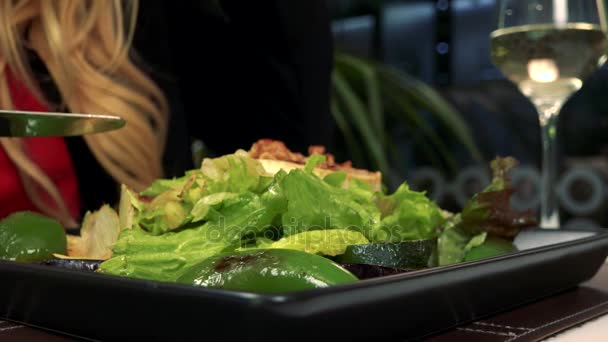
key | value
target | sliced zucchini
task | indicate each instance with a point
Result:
(403, 255)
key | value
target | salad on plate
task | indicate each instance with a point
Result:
(269, 220)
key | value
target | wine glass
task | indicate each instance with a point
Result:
(548, 48)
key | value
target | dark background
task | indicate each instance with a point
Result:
(446, 44)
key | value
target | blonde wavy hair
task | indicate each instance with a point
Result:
(86, 47)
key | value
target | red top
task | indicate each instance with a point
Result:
(50, 154)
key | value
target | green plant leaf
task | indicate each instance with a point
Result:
(427, 98)
(357, 112)
(406, 111)
(353, 146)
(354, 68)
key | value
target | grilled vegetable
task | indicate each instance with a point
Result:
(73, 264)
(28, 236)
(267, 271)
(403, 255)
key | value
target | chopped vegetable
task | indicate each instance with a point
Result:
(325, 242)
(491, 247)
(485, 216)
(161, 185)
(98, 234)
(140, 254)
(453, 244)
(234, 207)
(490, 210)
(408, 215)
(28, 236)
(233, 173)
(267, 271)
(127, 207)
(73, 264)
(402, 255)
(313, 204)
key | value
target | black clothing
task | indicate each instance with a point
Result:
(262, 70)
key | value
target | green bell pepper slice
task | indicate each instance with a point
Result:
(29, 237)
(267, 271)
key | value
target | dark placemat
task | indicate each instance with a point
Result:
(539, 320)
(13, 332)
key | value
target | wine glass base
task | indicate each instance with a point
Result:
(550, 222)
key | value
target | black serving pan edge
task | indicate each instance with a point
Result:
(398, 307)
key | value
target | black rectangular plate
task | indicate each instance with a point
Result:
(398, 308)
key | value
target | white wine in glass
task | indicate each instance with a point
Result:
(548, 48)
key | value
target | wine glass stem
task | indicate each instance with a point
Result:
(548, 115)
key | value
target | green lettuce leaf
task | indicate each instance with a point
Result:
(245, 215)
(335, 179)
(161, 185)
(313, 161)
(490, 210)
(453, 244)
(228, 223)
(187, 200)
(316, 205)
(234, 173)
(407, 215)
(217, 222)
(139, 254)
(274, 198)
(164, 213)
(325, 242)
(202, 207)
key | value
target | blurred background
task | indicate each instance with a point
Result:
(445, 149)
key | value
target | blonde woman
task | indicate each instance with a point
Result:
(76, 56)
